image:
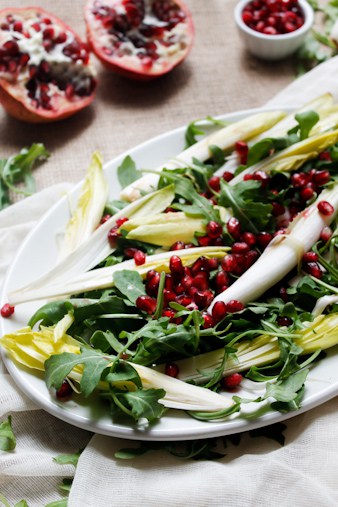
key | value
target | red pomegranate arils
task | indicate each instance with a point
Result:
(310, 257)
(139, 258)
(219, 311)
(146, 303)
(234, 306)
(234, 227)
(208, 321)
(64, 392)
(7, 310)
(214, 229)
(232, 381)
(179, 245)
(215, 183)
(325, 208)
(176, 266)
(121, 221)
(171, 369)
(313, 269)
(284, 321)
(326, 234)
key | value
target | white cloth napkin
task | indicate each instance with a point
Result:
(256, 472)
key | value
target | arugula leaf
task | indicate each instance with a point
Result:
(22, 503)
(60, 365)
(306, 121)
(142, 403)
(68, 459)
(245, 200)
(287, 390)
(130, 284)
(194, 129)
(127, 172)
(18, 169)
(7, 437)
(58, 503)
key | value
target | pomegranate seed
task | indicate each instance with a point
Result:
(199, 265)
(171, 369)
(261, 176)
(183, 300)
(306, 193)
(65, 391)
(139, 258)
(46, 21)
(234, 306)
(11, 47)
(176, 266)
(168, 312)
(299, 180)
(169, 296)
(250, 258)
(219, 311)
(310, 257)
(232, 381)
(234, 227)
(203, 298)
(7, 311)
(179, 289)
(249, 238)
(320, 178)
(214, 183)
(105, 218)
(227, 176)
(113, 236)
(240, 247)
(36, 27)
(146, 303)
(325, 208)
(326, 233)
(221, 279)
(208, 321)
(204, 240)
(229, 263)
(277, 209)
(179, 245)
(201, 281)
(187, 282)
(61, 38)
(283, 294)
(152, 285)
(130, 252)
(169, 283)
(48, 33)
(214, 229)
(263, 239)
(18, 26)
(121, 221)
(69, 91)
(325, 155)
(284, 321)
(313, 269)
(242, 150)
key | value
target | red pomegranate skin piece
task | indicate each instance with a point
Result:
(37, 50)
(140, 39)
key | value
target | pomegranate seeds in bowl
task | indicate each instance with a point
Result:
(273, 17)
(142, 39)
(273, 29)
(45, 72)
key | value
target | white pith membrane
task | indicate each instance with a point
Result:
(129, 48)
(49, 92)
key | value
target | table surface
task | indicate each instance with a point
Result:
(218, 77)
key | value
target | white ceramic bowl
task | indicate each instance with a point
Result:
(273, 47)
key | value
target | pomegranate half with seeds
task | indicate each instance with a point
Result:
(142, 39)
(45, 72)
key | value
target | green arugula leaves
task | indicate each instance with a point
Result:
(7, 437)
(18, 169)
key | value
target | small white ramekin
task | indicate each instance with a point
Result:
(273, 47)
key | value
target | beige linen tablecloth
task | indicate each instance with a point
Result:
(218, 77)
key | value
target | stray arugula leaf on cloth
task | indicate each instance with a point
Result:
(17, 169)
(7, 437)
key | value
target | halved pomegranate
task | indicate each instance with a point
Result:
(45, 72)
(142, 39)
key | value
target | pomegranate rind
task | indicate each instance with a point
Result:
(128, 66)
(12, 94)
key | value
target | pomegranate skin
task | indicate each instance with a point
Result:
(13, 94)
(129, 66)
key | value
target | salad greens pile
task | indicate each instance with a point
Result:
(224, 274)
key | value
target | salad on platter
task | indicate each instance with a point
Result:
(216, 271)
